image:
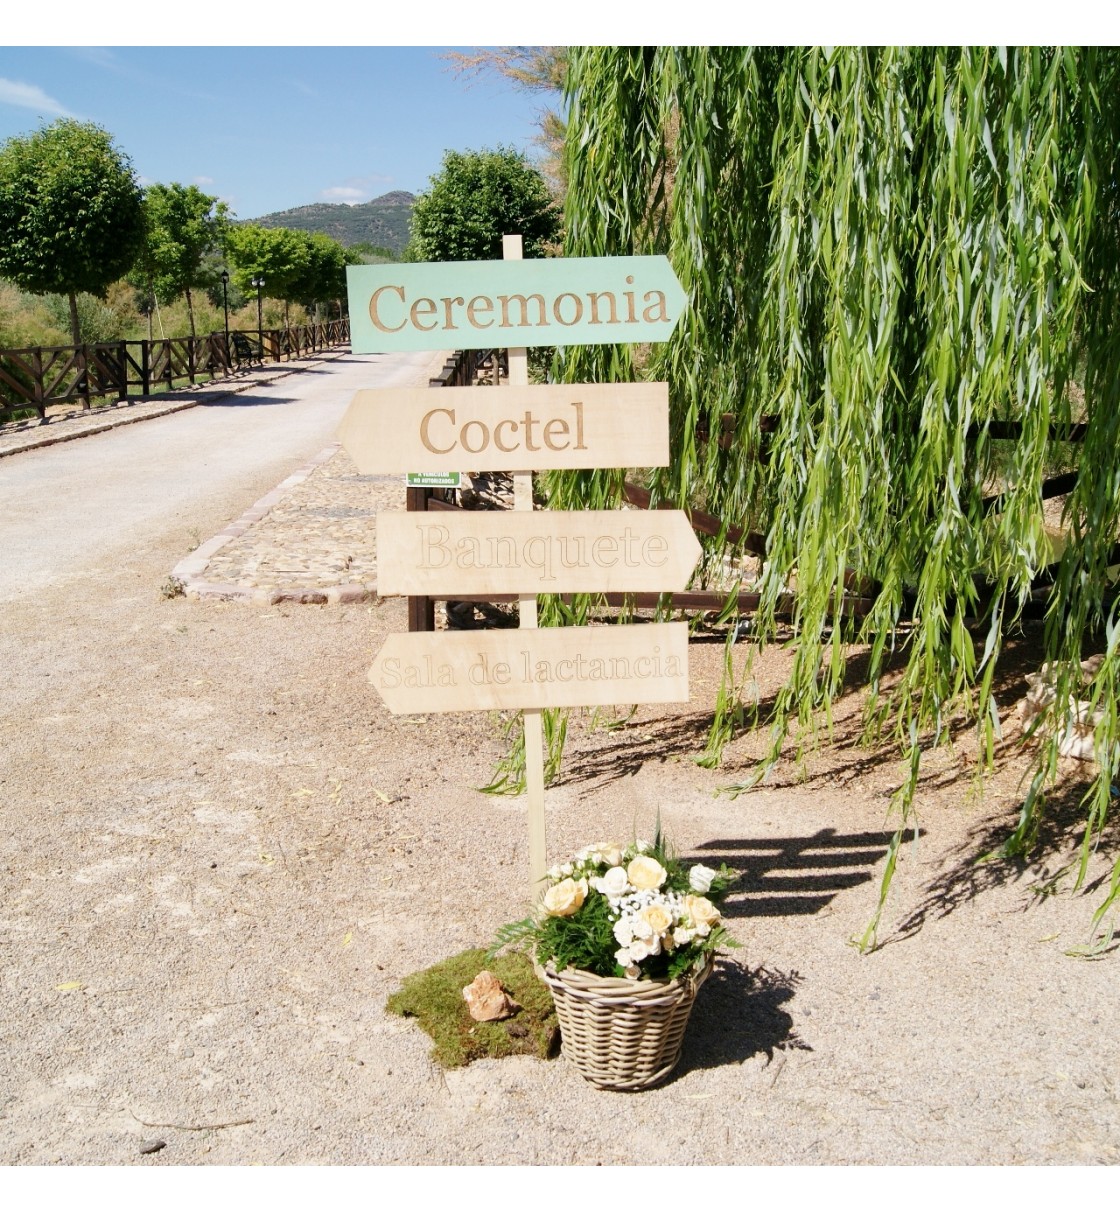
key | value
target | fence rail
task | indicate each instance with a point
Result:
(39, 376)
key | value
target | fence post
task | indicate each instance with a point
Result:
(82, 362)
(122, 371)
(40, 393)
(145, 368)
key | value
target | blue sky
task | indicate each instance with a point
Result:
(268, 128)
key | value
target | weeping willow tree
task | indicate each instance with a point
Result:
(888, 254)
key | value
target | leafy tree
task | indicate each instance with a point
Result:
(71, 212)
(474, 200)
(297, 266)
(892, 257)
(278, 254)
(325, 275)
(185, 227)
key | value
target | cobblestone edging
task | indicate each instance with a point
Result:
(248, 550)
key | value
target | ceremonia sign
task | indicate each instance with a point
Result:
(489, 304)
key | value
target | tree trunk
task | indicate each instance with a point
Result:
(79, 351)
(75, 331)
(190, 311)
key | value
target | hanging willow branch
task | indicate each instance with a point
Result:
(886, 250)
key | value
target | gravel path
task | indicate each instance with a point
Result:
(221, 855)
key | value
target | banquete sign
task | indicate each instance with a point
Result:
(492, 304)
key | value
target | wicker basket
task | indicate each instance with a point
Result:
(622, 1034)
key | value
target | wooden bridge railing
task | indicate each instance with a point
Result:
(36, 377)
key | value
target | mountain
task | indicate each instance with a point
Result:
(383, 220)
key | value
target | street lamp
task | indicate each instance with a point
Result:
(225, 307)
(258, 282)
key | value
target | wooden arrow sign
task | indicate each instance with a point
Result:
(488, 304)
(398, 430)
(541, 552)
(553, 667)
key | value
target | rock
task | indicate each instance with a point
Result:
(1076, 740)
(152, 1146)
(486, 1000)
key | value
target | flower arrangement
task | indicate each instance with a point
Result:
(635, 911)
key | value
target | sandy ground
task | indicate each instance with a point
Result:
(221, 854)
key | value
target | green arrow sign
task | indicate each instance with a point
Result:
(501, 304)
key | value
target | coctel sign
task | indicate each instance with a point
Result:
(491, 304)
(553, 426)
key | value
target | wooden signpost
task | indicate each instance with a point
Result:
(478, 305)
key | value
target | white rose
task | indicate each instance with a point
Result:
(612, 854)
(614, 883)
(624, 931)
(640, 928)
(565, 898)
(645, 872)
(700, 878)
(641, 949)
(681, 936)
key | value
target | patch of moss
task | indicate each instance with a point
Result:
(434, 998)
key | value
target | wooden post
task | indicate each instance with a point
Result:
(527, 611)
(421, 610)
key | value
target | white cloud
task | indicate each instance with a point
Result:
(31, 96)
(344, 193)
(202, 180)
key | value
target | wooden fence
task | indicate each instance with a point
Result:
(34, 378)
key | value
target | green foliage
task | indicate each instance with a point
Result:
(474, 200)
(70, 210)
(98, 321)
(365, 253)
(297, 266)
(434, 998)
(184, 230)
(886, 250)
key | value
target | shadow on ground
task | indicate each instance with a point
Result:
(247, 399)
(786, 876)
(738, 1014)
(978, 865)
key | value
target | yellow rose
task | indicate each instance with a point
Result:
(658, 918)
(702, 913)
(565, 898)
(645, 873)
